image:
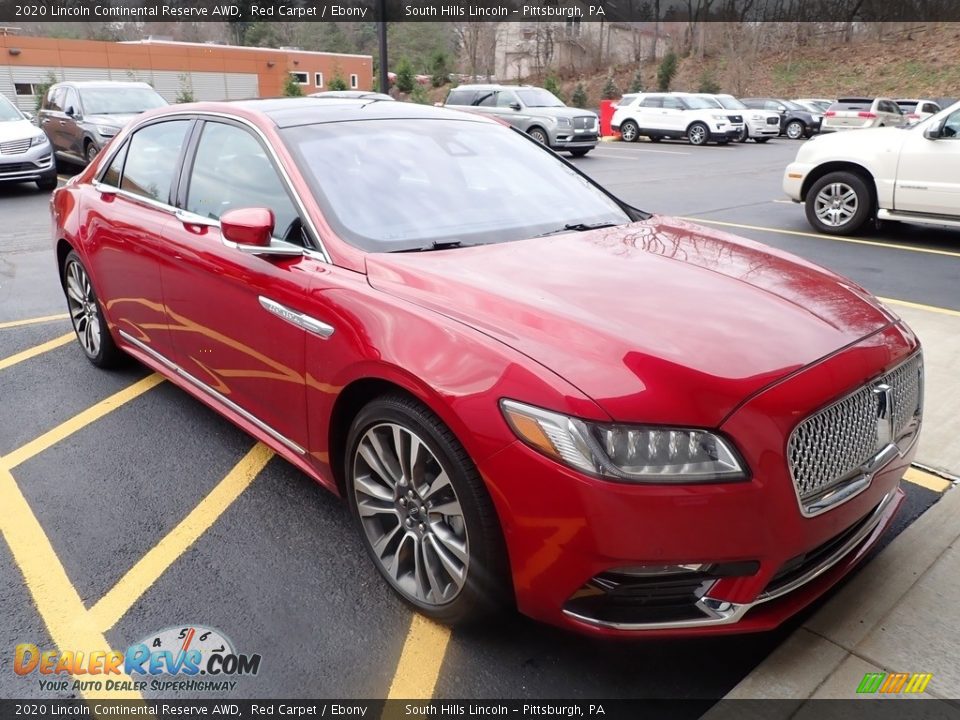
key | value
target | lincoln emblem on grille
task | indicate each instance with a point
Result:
(884, 395)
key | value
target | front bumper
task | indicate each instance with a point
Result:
(574, 140)
(34, 164)
(564, 529)
(759, 128)
(727, 134)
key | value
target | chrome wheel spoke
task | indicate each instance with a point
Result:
(436, 486)
(370, 487)
(451, 566)
(451, 542)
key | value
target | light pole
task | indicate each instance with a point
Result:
(382, 40)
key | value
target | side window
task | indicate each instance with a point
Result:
(486, 99)
(772, 106)
(505, 99)
(151, 162)
(652, 102)
(951, 126)
(71, 102)
(672, 103)
(459, 97)
(115, 171)
(931, 107)
(55, 98)
(231, 170)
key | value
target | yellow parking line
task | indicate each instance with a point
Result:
(920, 306)
(927, 480)
(419, 667)
(131, 587)
(818, 236)
(36, 350)
(79, 421)
(33, 321)
(57, 600)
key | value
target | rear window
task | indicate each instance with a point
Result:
(852, 104)
(460, 97)
(907, 107)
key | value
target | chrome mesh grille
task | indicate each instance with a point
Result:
(584, 122)
(15, 147)
(830, 445)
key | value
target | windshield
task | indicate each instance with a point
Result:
(8, 112)
(537, 97)
(119, 101)
(698, 103)
(389, 185)
(730, 103)
(793, 106)
(714, 102)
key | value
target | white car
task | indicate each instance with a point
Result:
(674, 115)
(901, 174)
(25, 153)
(814, 105)
(917, 110)
(761, 125)
(860, 113)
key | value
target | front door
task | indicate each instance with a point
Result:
(928, 176)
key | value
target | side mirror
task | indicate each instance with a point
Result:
(781, 109)
(515, 106)
(934, 131)
(70, 111)
(250, 228)
(28, 115)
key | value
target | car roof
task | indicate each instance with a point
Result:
(104, 83)
(857, 99)
(291, 112)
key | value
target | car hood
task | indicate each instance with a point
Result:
(18, 130)
(559, 112)
(657, 321)
(877, 141)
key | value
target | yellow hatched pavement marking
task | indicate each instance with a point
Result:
(927, 480)
(80, 421)
(33, 321)
(131, 587)
(419, 667)
(920, 306)
(35, 350)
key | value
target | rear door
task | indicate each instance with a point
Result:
(52, 118)
(648, 112)
(890, 114)
(928, 176)
(673, 116)
(70, 126)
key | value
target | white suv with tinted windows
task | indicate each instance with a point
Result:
(908, 175)
(674, 115)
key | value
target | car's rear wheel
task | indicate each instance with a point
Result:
(539, 135)
(839, 203)
(87, 316)
(795, 129)
(698, 134)
(424, 513)
(655, 138)
(630, 131)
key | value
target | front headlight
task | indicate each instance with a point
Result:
(720, 118)
(564, 122)
(38, 140)
(107, 131)
(628, 453)
(757, 118)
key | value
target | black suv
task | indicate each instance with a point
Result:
(79, 118)
(795, 121)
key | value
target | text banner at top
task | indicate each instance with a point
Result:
(13, 12)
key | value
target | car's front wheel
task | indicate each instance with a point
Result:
(839, 203)
(87, 316)
(539, 135)
(795, 129)
(698, 134)
(425, 515)
(90, 152)
(629, 131)
(744, 135)
(760, 141)
(48, 182)
(579, 153)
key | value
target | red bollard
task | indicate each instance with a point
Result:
(606, 115)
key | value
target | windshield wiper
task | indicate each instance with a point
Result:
(577, 227)
(435, 245)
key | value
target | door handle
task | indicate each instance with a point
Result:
(305, 322)
(63, 122)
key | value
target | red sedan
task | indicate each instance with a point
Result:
(529, 392)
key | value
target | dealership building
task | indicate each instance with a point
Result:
(207, 71)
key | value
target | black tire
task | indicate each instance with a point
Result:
(47, 183)
(486, 589)
(90, 151)
(629, 131)
(760, 141)
(579, 153)
(107, 354)
(744, 134)
(539, 134)
(698, 134)
(837, 184)
(655, 138)
(795, 129)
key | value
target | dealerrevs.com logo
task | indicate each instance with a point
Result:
(177, 652)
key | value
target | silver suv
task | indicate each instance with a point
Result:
(25, 154)
(535, 111)
(81, 117)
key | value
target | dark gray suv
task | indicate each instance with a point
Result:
(535, 111)
(80, 118)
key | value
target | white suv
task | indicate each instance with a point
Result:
(674, 115)
(761, 125)
(908, 175)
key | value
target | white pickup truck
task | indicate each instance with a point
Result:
(898, 174)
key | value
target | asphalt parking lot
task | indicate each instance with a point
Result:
(138, 509)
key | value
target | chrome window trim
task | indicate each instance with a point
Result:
(284, 175)
(721, 612)
(222, 399)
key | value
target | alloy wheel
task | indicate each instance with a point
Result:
(795, 130)
(83, 307)
(836, 204)
(628, 132)
(698, 135)
(539, 136)
(411, 514)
